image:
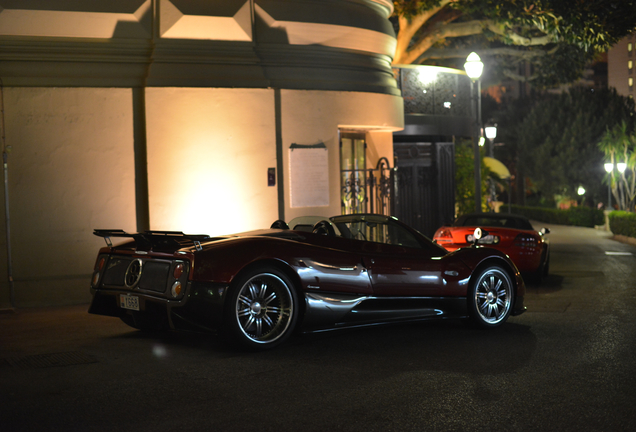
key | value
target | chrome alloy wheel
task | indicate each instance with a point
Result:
(264, 308)
(493, 296)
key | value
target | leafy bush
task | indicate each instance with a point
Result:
(578, 216)
(623, 223)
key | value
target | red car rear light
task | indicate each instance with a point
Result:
(443, 235)
(526, 240)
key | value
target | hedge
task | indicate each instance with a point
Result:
(623, 223)
(578, 216)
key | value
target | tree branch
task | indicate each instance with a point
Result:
(515, 76)
(517, 39)
(445, 53)
(409, 27)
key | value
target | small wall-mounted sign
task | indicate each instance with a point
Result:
(309, 175)
(271, 176)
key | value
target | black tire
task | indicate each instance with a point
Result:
(491, 297)
(261, 309)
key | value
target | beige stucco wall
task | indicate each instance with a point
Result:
(209, 151)
(208, 155)
(70, 171)
(310, 117)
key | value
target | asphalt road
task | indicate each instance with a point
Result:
(568, 364)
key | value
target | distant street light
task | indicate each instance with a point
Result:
(609, 167)
(474, 67)
(491, 134)
(621, 167)
(581, 192)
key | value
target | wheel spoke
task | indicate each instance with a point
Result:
(273, 310)
(248, 323)
(268, 321)
(259, 327)
(253, 291)
(263, 289)
(270, 298)
(484, 308)
(243, 312)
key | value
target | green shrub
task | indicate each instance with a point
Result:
(578, 216)
(623, 223)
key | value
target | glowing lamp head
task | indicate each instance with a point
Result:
(609, 167)
(473, 66)
(621, 167)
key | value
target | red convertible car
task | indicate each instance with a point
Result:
(314, 274)
(511, 234)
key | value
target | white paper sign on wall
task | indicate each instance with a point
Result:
(309, 169)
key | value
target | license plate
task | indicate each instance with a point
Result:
(129, 302)
(489, 239)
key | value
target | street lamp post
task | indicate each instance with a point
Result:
(621, 167)
(609, 167)
(474, 67)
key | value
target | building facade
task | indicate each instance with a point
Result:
(621, 61)
(192, 115)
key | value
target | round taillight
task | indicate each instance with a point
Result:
(178, 271)
(176, 289)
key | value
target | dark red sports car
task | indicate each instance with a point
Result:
(511, 234)
(315, 274)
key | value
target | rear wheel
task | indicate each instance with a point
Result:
(491, 297)
(261, 310)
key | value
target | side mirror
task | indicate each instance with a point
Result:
(545, 231)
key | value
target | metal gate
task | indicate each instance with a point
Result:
(425, 197)
(369, 190)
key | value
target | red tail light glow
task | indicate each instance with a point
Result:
(443, 235)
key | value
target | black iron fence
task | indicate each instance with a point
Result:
(369, 190)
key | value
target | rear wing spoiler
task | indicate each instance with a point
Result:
(149, 240)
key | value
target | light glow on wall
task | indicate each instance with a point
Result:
(208, 155)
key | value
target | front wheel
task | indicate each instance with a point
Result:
(491, 297)
(261, 310)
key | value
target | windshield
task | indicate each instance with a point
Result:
(496, 222)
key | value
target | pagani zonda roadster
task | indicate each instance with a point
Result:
(314, 274)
